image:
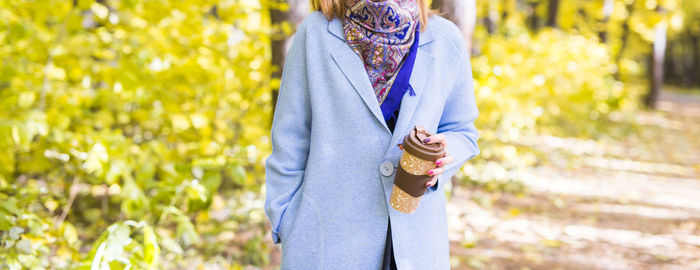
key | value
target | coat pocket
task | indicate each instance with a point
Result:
(289, 215)
(302, 238)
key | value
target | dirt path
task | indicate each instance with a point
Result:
(626, 204)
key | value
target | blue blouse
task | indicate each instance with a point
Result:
(392, 102)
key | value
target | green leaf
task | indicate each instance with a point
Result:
(151, 248)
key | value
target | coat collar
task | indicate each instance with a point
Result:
(335, 26)
(353, 68)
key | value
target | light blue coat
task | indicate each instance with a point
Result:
(326, 197)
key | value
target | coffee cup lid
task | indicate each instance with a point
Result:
(413, 143)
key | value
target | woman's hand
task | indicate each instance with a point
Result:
(446, 159)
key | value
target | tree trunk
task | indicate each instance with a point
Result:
(506, 9)
(694, 77)
(462, 13)
(608, 8)
(534, 20)
(672, 73)
(657, 64)
(298, 9)
(552, 13)
(625, 39)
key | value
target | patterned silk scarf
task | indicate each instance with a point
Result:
(382, 32)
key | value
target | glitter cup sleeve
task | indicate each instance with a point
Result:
(412, 175)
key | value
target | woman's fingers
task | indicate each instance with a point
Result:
(447, 159)
(437, 138)
(436, 171)
(432, 181)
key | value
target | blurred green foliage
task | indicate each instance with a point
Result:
(549, 83)
(134, 132)
(125, 125)
(577, 79)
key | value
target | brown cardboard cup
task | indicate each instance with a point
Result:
(416, 160)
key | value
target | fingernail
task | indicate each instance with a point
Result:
(438, 162)
(430, 172)
(426, 140)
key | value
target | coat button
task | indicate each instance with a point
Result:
(387, 168)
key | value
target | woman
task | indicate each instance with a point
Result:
(358, 76)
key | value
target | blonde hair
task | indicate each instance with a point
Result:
(336, 9)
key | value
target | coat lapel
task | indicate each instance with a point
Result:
(422, 69)
(352, 67)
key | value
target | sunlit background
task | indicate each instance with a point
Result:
(134, 133)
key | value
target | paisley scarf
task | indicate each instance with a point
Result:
(383, 32)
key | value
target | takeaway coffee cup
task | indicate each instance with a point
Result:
(411, 176)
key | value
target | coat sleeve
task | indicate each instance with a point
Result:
(457, 121)
(290, 134)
